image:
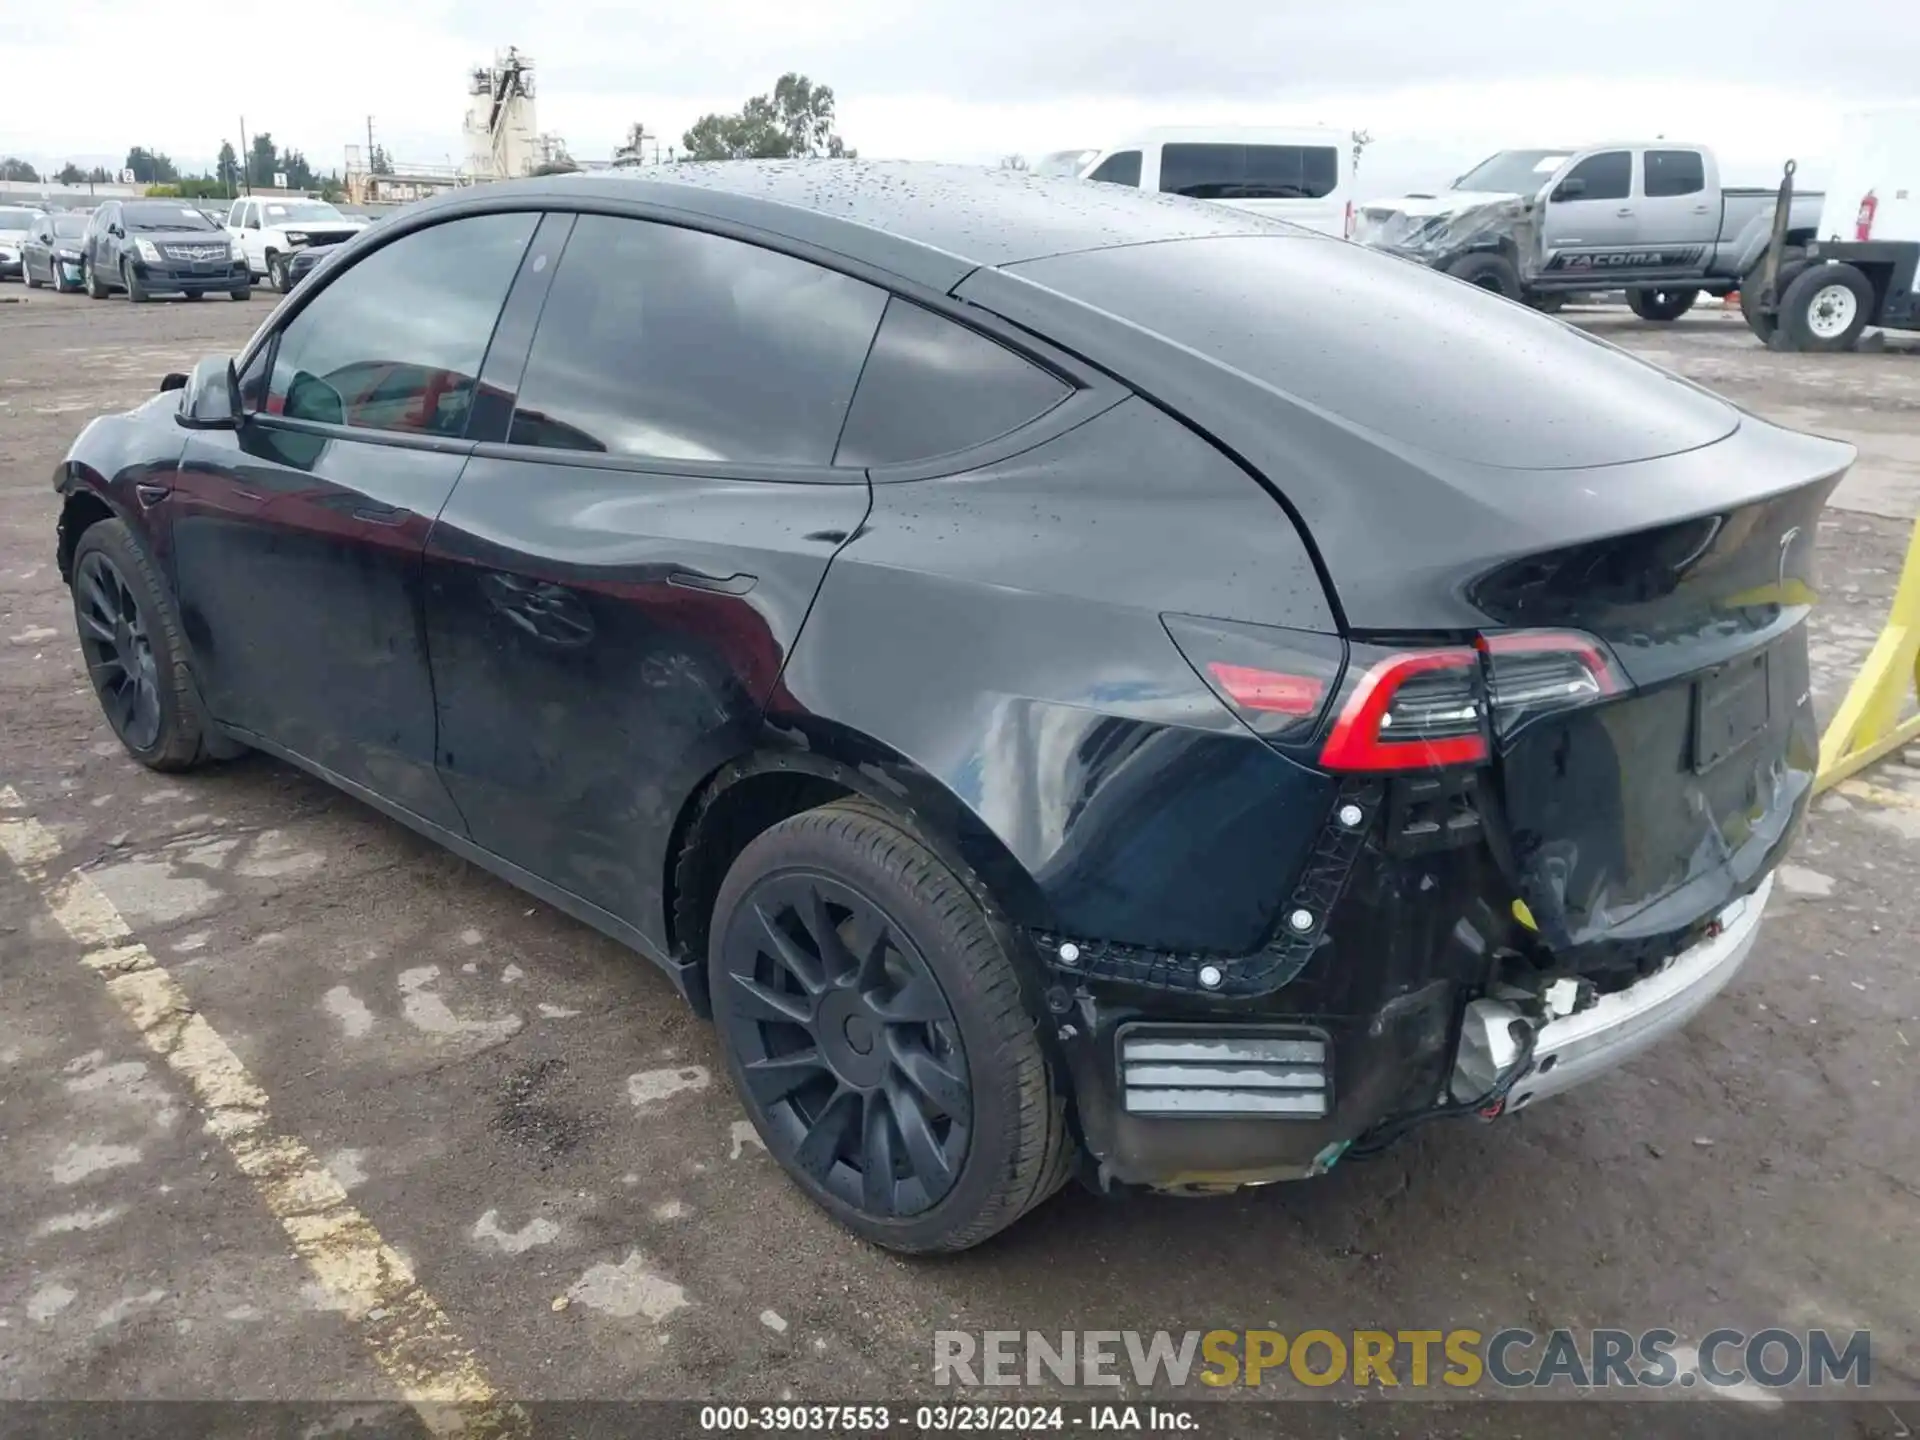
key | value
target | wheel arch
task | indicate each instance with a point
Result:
(791, 773)
(83, 506)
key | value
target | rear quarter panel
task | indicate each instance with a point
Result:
(1000, 631)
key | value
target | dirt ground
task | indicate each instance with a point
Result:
(537, 1129)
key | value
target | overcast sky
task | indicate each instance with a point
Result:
(1439, 85)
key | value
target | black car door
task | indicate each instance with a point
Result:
(101, 256)
(297, 538)
(615, 583)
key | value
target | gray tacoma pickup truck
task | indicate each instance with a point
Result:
(1538, 225)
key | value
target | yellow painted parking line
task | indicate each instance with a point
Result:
(407, 1331)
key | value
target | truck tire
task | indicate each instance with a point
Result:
(1826, 308)
(1551, 303)
(1661, 306)
(1490, 271)
(1764, 323)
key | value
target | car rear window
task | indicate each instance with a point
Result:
(1393, 348)
(1250, 172)
(932, 387)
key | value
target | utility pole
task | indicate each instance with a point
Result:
(369, 144)
(246, 158)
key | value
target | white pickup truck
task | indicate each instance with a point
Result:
(1537, 225)
(271, 228)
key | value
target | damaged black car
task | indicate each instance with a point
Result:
(1073, 683)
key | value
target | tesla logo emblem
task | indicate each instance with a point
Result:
(1786, 549)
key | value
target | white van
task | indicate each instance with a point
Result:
(1301, 174)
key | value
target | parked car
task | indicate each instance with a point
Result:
(1652, 219)
(14, 225)
(152, 247)
(271, 231)
(53, 249)
(304, 261)
(1862, 267)
(1072, 682)
(1303, 175)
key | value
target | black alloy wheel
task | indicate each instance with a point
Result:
(877, 1032)
(848, 1047)
(136, 657)
(118, 650)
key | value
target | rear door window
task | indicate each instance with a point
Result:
(933, 387)
(1120, 168)
(1675, 172)
(395, 342)
(1250, 172)
(1608, 175)
(675, 344)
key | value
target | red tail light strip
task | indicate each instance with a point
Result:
(1357, 743)
(1557, 642)
(1271, 690)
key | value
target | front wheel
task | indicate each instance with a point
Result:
(1490, 271)
(130, 638)
(136, 292)
(243, 292)
(26, 274)
(90, 280)
(1661, 306)
(277, 272)
(875, 1030)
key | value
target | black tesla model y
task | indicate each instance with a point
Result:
(1072, 682)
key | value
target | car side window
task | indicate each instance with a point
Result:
(1120, 168)
(932, 387)
(395, 342)
(1675, 172)
(1608, 175)
(675, 344)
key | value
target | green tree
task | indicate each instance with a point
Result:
(795, 119)
(263, 160)
(12, 168)
(71, 174)
(151, 167)
(379, 162)
(99, 175)
(227, 167)
(298, 172)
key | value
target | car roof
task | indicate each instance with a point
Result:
(928, 223)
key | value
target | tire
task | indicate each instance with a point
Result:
(26, 274)
(277, 271)
(136, 292)
(1489, 271)
(1764, 324)
(1550, 304)
(1826, 308)
(195, 294)
(1661, 306)
(90, 281)
(245, 292)
(937, 1004)
(130, 637)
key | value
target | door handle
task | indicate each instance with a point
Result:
(1624, 211)
(377, 514)
(736, 584)
(151, 494)
(1701, 209)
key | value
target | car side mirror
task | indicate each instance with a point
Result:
(1570, 189)
(117, 232)
(211, 398)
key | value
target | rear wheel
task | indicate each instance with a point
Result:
(1661, 305)
(130, 638)
(243, 292)
(1826, 308)
(196, 294)
(875, 1032)
(1490, 271)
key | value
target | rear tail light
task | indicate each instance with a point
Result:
(1414, 710)
(1539, 672)
(1863, 222)
(1278, 681)
(1393, 709)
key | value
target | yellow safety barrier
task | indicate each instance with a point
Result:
(1868, 724)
